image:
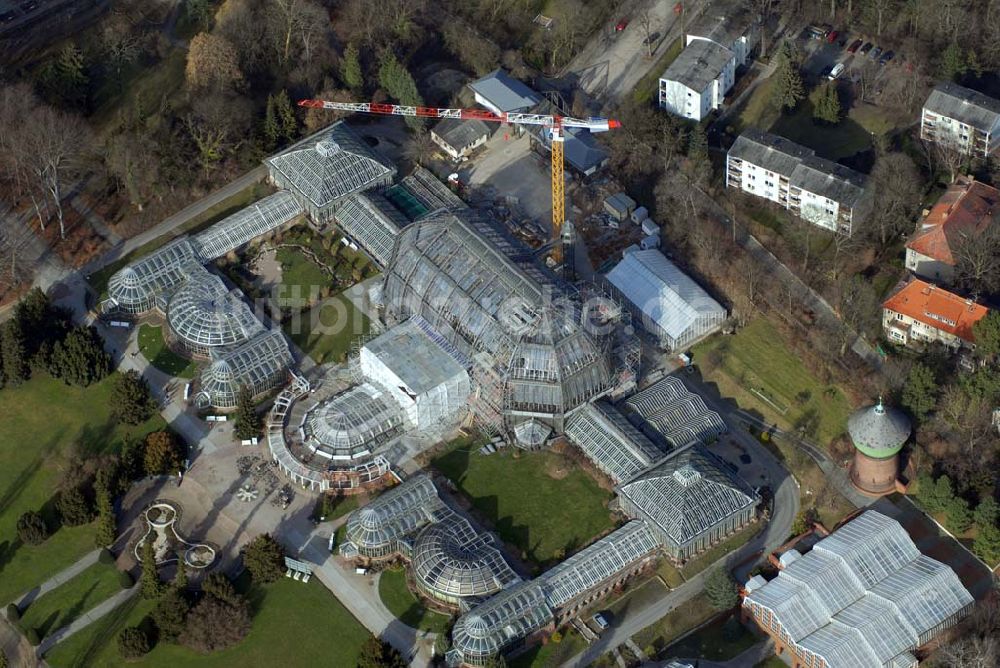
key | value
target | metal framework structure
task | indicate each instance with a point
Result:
(677, 414)
(261, 364)
(864, 597)
(352, 425)
(373, 222)
(554, 123)
(610, 441)
(261, 217)
(376, 529)
(690, 500)
(203, 315)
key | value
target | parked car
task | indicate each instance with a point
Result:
(832, 37)
(855, 45)
(600, 621)
(886, 57)
(875, 53)
(650, 39)
(817, 32)
(866, 48)
(836, 71)
(621, 25)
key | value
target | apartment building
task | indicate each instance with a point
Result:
(961, 117)
(919, 312)
(820, 191)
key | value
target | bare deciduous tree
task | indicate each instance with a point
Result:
(646, 22)
(977, 260)
(59, 143)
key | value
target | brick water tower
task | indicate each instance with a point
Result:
(878, 434)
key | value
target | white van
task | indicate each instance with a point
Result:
(837, 70)
(600, 621)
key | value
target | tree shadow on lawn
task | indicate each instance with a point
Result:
(13, 491)
(73, 612)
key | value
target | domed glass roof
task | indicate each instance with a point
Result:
(205, 313)
(353, 423)
(879, 431)
(451, 560)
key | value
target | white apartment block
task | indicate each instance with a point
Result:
(963, 118)
(822, 192)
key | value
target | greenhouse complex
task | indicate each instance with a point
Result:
(863, 596)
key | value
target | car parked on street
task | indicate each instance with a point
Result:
(886, 57)
(832, 37)
(651, 39)
(866, 48)
(836, 71)
(875, 53)
(853, 48)
(621, 25)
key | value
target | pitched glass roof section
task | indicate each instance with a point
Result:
(353, 424)
(610, 441)
(502, 620)
(246, 224)
(864, 596)
(135, 287)
(665, 294)
(331, 164)
(394, 514)
(452, 560)
(205, 313)
(679, 415)
(431, 192)
(598, 562)
(373, 222)
(255, 364)
(684, 506)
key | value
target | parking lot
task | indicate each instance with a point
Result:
(821, 56)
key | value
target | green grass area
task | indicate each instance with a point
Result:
(48, 427)
(301, 278)
(716, 552)
(332, 507)
(71, 599)
(758, 370)
(552, 653)
(539, 502)
(659, 635)
(404, 605)
(772, 662)
(295, 625)
(154, 348)
(851, 135)
(227, 207)
(648, 87)
(721, 640)
(636, 598)
(669, 573)
(326, 331)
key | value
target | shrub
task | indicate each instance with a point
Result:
(170, 613)
(73, 507)
(105, 556)
(720, 588)
(13, 612)
(33, 637)
(31, 528)
(132, 643)
(163, 453)
(125, 579)
(264, 558)
(214, 624)
(132, 401)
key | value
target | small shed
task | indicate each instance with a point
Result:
(650, 242)
(631, 249)
(649, 228)
(640, 214)
(619, 206)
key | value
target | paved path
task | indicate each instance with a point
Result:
(170, 223)
(85, 562)
(86, 619)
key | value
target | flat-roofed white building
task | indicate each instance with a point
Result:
(963, 118)
(820, 191)
(671, 306)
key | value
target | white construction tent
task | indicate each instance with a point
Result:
(671, 306)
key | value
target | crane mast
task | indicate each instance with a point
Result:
(555, 124)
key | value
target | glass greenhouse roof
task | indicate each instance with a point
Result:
(396, 513)
(204, 312)
(453, 560)
(678, 414)
(138, 284)
(246, 224)
(331, 164)
(507, 617)
(252, 365)
(609, 440)
(431, 193)
(688, 493)
(373, 222)
(864, 596)
(353, 423)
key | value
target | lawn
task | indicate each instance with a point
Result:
(772, 662)
(647, 90)
(637, 598)
(404, 605)
(154, 348)
(756, 369)
(325, 332)
(295, 625)
(71, 599)
(551, 654)
(539, 502)
(301, 278)
(815, 489)
(716, 552)
(852, 135)
(660, 634)
(48, 425)
(721, 640)
(331, 507)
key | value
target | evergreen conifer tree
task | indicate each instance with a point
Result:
(350, 69)
(788, 88)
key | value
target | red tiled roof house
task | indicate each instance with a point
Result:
(923, 313)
